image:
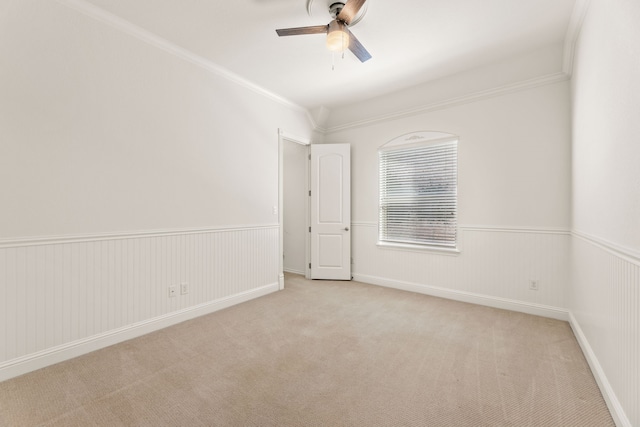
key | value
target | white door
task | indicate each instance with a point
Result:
(331, 211)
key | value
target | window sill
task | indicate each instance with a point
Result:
(419, 248)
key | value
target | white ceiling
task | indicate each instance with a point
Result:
(411, 41)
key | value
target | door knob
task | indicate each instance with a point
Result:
(346, 229)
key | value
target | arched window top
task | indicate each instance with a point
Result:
(418, 201)
(421, 137)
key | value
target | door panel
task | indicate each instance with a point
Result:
(330, 250)
(330, 189)
(331, 211)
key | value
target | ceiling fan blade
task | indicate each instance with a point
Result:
(357, 48)
(318, 29)
(350, 10)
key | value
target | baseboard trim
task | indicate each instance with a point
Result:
(42, 359)
(489, 301)
(292, 271)
(615, 408)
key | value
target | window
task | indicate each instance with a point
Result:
(418, 190)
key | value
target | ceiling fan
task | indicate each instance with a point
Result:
(339, 37)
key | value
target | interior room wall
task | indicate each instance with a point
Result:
(126, 167)
(104, 133)
(536, 67)
(514, 201)
(605, 293)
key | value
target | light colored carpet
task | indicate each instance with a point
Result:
(324, 353)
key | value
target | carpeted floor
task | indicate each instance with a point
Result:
(324, 353)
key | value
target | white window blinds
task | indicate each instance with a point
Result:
(418, 194)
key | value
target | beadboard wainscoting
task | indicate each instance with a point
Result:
(494, 267)
(604, 300)
(68, 296)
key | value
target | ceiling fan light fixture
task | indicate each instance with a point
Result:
(337, 37)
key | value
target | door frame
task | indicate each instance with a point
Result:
(285, 137)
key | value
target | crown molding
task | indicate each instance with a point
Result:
(573, 31)
(152, 39)
(314, 125)
(120, 24)
(451, 102)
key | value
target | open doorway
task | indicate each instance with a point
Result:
(294, 205)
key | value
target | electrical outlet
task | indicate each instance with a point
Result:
(184, 288)
(173, 291)
(533, 285)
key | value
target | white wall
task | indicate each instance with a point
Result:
(605, 292)
(102, 132)
(112, 140)
(606, 106)
(514, 200)
(514, 157)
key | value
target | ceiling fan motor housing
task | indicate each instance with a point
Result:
(335, 8)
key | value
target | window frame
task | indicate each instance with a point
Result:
(414, 141)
